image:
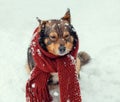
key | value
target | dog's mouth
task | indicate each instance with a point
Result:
(62, 53)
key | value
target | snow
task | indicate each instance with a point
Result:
(72, 59)
(56, 93)
(66, 24)
(33, 85)
(98, 25)
(38, 51)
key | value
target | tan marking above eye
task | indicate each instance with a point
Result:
(53, 36)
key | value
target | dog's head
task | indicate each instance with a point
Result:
(57, 36)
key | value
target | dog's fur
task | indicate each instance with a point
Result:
(59, 38)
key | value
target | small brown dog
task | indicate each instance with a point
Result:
(59, 38)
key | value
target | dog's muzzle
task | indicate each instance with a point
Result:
(62, 49)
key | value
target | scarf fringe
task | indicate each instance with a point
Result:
(36, 92)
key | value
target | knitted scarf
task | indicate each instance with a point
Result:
(45, 63)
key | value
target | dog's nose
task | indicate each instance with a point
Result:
(62, 49)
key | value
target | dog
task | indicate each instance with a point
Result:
(58, 38)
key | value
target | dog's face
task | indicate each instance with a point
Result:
(58, 39)
(57, 36)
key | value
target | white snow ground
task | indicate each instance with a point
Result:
(98, 25)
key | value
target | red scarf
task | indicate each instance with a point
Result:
(45, 63)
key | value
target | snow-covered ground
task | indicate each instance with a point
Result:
(98, 25)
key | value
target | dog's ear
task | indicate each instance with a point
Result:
(38, 20)
(42, 23)
(67, 16)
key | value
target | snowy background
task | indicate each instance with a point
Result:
(98, 25)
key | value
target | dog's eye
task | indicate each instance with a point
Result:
(66, 36)
(53, 38)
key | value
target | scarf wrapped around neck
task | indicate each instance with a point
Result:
(45, 63)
